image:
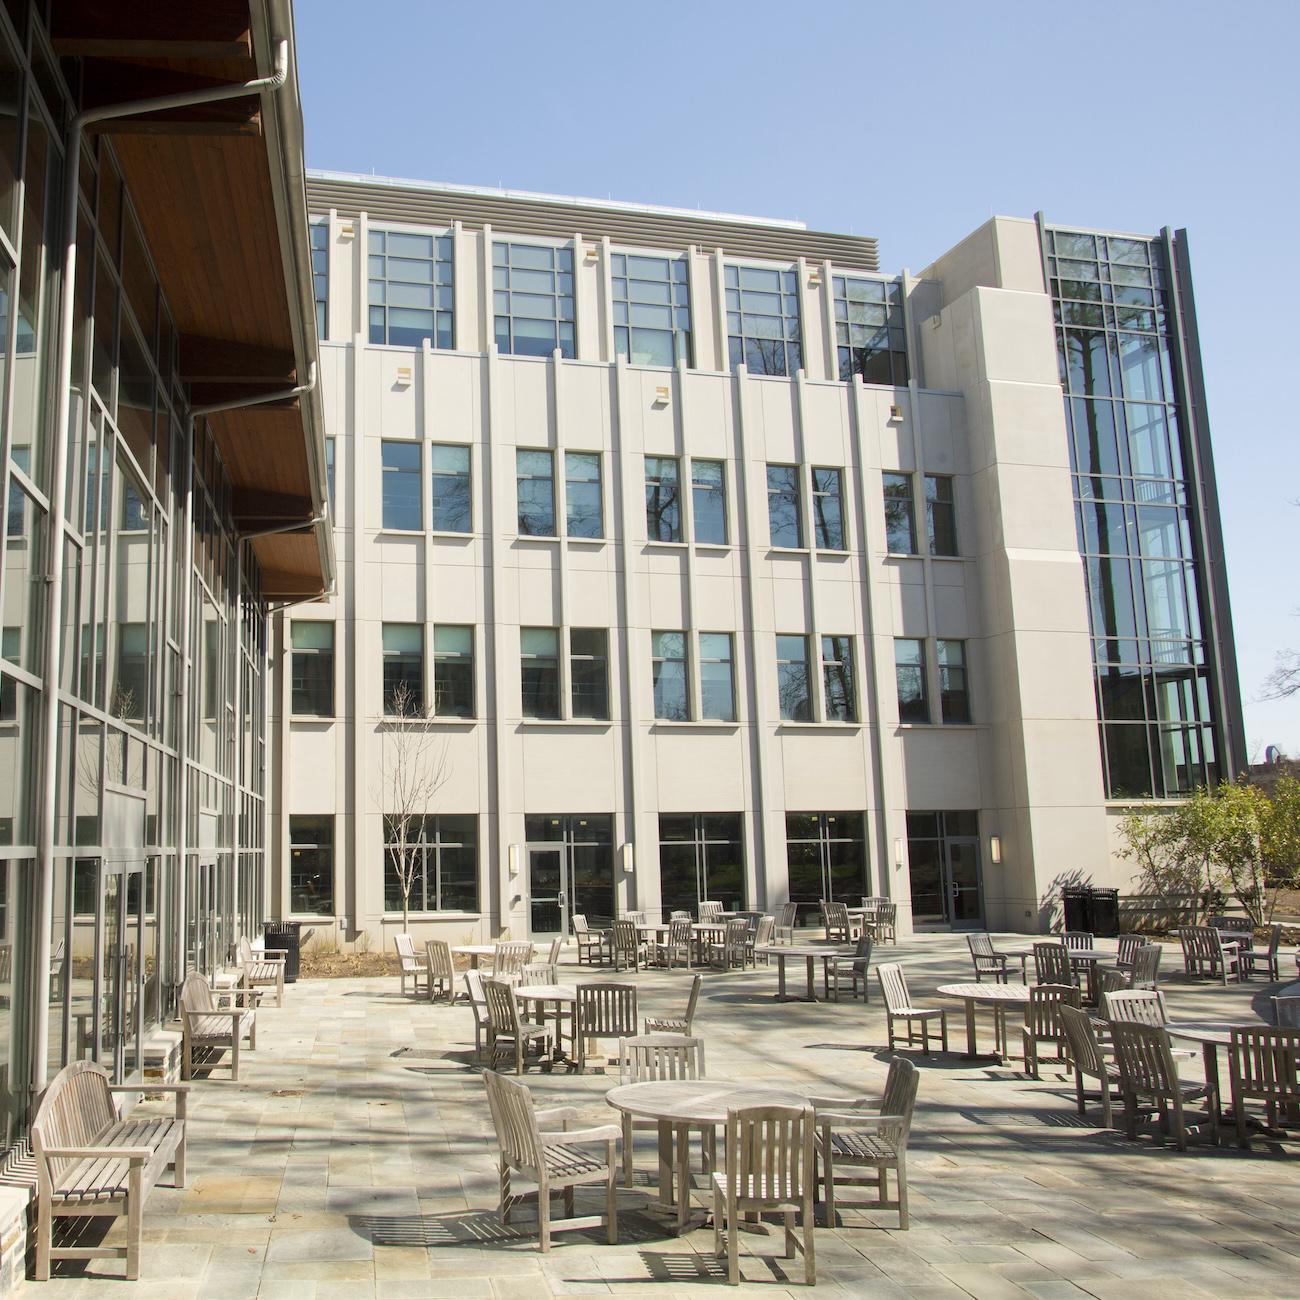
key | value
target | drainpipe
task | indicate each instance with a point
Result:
(212, 408)
(58, 506)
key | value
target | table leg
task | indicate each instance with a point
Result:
(970, 1029)
(1210, 1058)
(666, 1163)
(812, 980)
(683, 1177)
(780, 978)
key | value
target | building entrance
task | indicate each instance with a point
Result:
(570, 869)
(943, 850)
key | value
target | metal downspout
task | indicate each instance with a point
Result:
(58, 507)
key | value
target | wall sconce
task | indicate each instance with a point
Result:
(513, 855)
(590, 254)
(898, 854)
(629, 859)
(995, 850)
(347, 231)
(814, 278)
(662, 394)
(895, 413)
(403, 376)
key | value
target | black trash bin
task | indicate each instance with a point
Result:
(1105, 913)
(1078, 907)
(286, 937)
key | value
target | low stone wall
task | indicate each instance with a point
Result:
(13, 1238)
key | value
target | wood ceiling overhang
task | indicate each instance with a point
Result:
(203, 180)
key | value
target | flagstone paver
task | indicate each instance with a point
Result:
(354, 1159)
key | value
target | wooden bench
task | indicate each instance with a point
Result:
(204, 1023)
(262, 970)
(91, 1160)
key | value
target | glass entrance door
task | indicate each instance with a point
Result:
(943, 851)
(965, 907)
(548, 892)
(121, 1001)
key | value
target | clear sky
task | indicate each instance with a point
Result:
(913, 121)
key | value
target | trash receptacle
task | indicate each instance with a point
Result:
(1078, 907)
(285, 937)
(1105, 913)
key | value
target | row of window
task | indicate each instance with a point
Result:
(542, 675)
(411, 279)
(451, 499)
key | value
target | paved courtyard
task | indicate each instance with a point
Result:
(355, 1159)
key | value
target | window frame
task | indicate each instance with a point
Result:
(417, 472)
(297, 845)
(527, 656)
(569, 494)
(431, 855)
(783, 662)
(739, 340)
(560, 250)
(442, 290)
(843, 662)
(934, 506)
(732, 714)
(681, 337)
(716, 494)
(521, 478)
(441, 656)
(920, 668)
(903, 500)
(670, 510)
(820, 525)
(601, 659)
(945, 670)
(404, 659)
(796, 488)
(658, 661)
(467, 477)
(319, 652)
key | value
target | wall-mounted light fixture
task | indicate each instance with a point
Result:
(814, 277)
(895, 413)
(898, 854)
(347, 230)
(662, 394)
(403, 376)
(590, 254)
(513, 856)
(629, 858)
(995, 849)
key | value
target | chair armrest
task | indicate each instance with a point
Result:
(151, 1087)
(605, 1133)
(136, 1155)
(856, 1119)
(236, 994)
(841, 1103)
(279, 958)
(556, 1114)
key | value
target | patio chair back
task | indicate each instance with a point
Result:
(1146, 1064)
(893, 986)
(735, 941)
(1134, 1007)
(606, 1010)
(437, 955)
(511, 957)
(1111, 981)
(1128, 945)
(1078, 939)
(984, 957)
(648, 1058)
(196, 994)
(579, 922)
(627, 943)
(709, 910)
(763, 932)
(1052, 964)
(1265, 1065)
(553, 957)
(981, 944)
(836, 916)
(1043, 1010)
(515, 1121)
(1286, 1012)
(787, 921)
(636, 918)
(1146, 964)
(769, 1154)
(679, 915)
(1081, 1040)
(885, 922)
(405, 946)
(477, 998)
(901, 1084)
(538, 972)
(502, 1009)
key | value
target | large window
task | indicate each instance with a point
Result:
(311, 865)
(763, 320)
(663, 499)
(701, 859)
(453, 671)
(784, 509)
(826, 857)
(794, 694)
(442, 857)
(312, 688)
(539, 649)
(535, 475)
(828, 508)
(940, 515)
(709, 502)
(582, 504)
(532, 299)
(451, 510)
(411, 289)
(320, 274)
(652, 309)
(954, 695)
(909, 670)
(900, 516)
(130, 693)
(869, 330)
(672, 694)
(837, 679)
(401, 486)
(403, 669)
(589, 672)
(717, 677)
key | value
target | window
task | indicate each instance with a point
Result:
(532, 299)
(130, 694)
(954, 697)
(320, 274)
(442, 856)
(313, 669)
(403, 669)
(582, 505)
(828, 509)
(663, 499)
(709, 502)
(11, 649)
(452, 496)
(411, 288)
(792, 686)
(763, 320)
(311, 865)
(869, 330)
(717, 679)
(652, 309)
(784, 511)
(826, 857)
(401, 486)
(329, 472)
(700, 859)
(909, 669)
(534, 470)
(672, 697)
(900, 520)
(837, 679)
(940, 517)
(453, 671)
(539, 649)
(21, 458)
(589, 672)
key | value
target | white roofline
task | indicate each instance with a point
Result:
(698, 214)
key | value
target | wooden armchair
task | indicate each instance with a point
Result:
(440, 972)
(1264, 1065)
(260, 970)
(603, 1011)
(507, 1029)
(985, 959)
(1147, 1072)
(207, 1023)
(786, 921)
(409, 966)
(594, 947)
(1043, 1020)
(1088, 1058)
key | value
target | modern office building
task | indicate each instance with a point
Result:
(165, 491)
(686, 555)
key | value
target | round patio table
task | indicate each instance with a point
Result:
(679, 1105)
(999, 996)
(810, 954)
(1212, 1035)
(474, 951)
(552, 997)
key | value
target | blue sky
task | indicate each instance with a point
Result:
(913, 122)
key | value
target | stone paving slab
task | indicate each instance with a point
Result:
(355, 1159)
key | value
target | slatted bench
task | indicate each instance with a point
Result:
(262, 969)
(92, 1161)
(205, 1023)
